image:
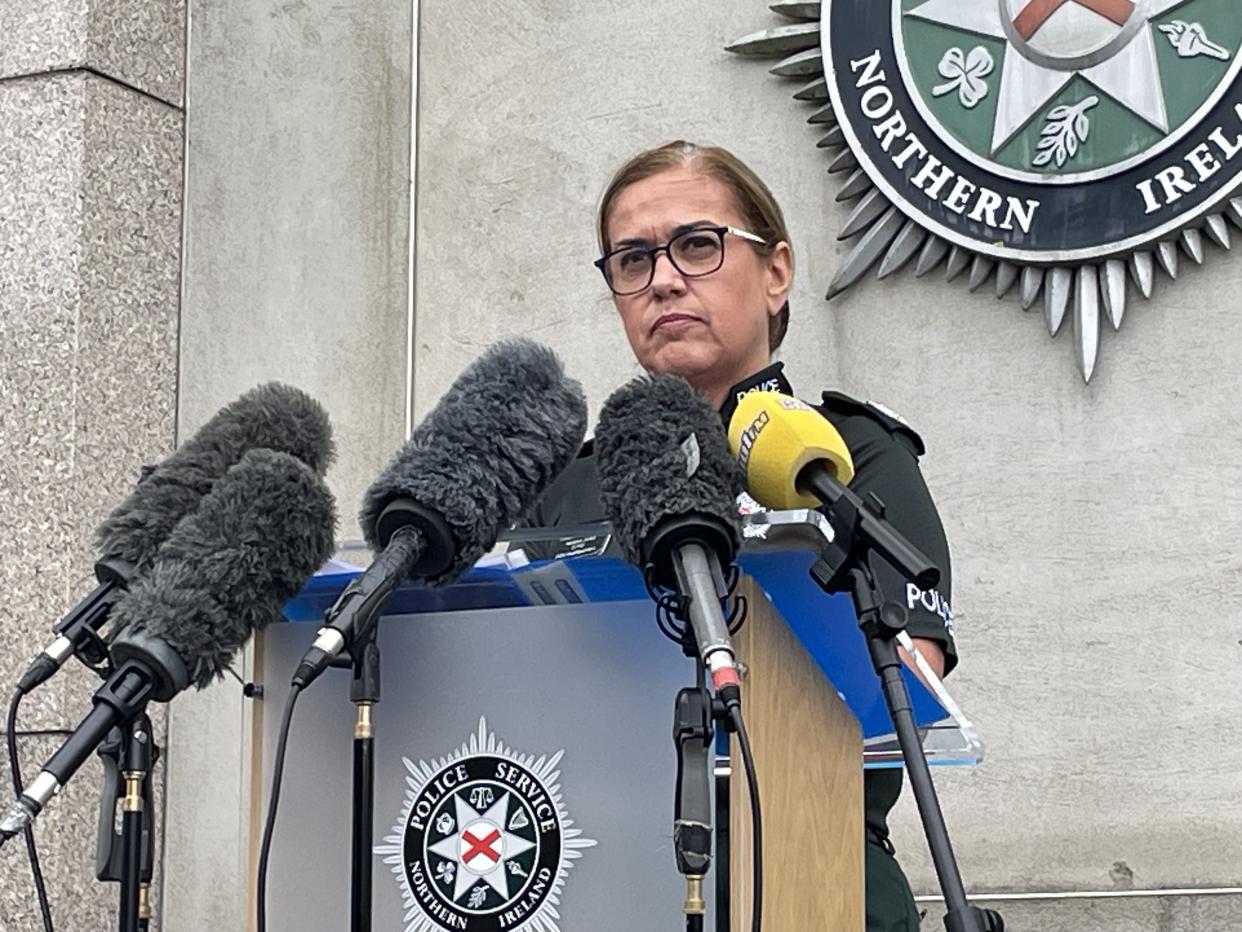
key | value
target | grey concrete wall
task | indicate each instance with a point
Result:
(296, 269)
(90, 232)
(1091, 631)
(1096, 530)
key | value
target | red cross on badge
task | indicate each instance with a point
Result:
(1038, 12)
(480, 847)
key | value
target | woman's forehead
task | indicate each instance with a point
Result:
(660, 203)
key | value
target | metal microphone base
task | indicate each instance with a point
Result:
(695, 907)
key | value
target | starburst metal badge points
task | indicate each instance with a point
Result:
(1062, 148)
(484, 842)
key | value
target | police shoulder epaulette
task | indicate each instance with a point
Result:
(890, 420)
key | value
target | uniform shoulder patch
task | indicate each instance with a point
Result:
(884, 409)
(891, 421)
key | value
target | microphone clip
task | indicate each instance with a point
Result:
(77, 633)
(693, 736)
(832, 570)
(90, 648)
(673, 608)
(128, 749)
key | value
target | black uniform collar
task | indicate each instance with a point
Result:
(771, 379)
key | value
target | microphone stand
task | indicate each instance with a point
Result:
(692, 803)
(696, 709)
(881, 622)
(129, 754)
(360, 606)
(364, 692)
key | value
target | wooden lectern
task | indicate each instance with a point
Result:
(807, 747)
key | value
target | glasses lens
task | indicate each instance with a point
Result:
(697, 252)
(628, 270)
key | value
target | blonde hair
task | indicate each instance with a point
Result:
(758, 207)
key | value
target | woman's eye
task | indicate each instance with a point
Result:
(698, 243)
(632, 258)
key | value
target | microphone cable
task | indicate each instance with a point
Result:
(278, 768)
(756, 818)
(15, 769)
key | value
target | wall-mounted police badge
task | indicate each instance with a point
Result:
(1055, 146)
(484, 843)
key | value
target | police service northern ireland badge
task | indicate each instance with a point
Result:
(1055, 147)
(484, 843)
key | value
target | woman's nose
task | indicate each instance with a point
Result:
(665, 278)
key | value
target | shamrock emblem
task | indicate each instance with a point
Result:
(965, 75)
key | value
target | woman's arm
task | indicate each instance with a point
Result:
(885, 456)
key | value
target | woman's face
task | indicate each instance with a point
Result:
(711, 330)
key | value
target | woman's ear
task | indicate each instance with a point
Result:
(780, 270)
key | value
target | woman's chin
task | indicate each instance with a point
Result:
(685, 359)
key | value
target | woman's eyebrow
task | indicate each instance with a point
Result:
(677, 231)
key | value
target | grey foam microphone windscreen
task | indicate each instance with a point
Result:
(509, 424)
(649, 467)
(228, 568)
(272, 416)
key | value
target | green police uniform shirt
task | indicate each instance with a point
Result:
(885, 452)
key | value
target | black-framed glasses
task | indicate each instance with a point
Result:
(694, 253)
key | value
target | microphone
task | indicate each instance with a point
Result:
(669, 488)
(794, 458)
(274, 416)
(225, 570)
(509, 424)
(794, 435)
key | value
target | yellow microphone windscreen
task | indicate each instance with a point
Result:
(773, 436)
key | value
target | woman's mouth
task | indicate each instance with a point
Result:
(676, 322)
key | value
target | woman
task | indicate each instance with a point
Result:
(696, 253)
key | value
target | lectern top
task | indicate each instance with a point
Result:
(549, 567)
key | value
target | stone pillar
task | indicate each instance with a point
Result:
(91, 142)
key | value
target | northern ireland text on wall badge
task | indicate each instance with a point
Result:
(1062, 149)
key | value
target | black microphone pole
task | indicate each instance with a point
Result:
(692, 803)
(861, 530)
(364, 692)
(137, 763)
(348, 638)
(693, 544)
(126, 857)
